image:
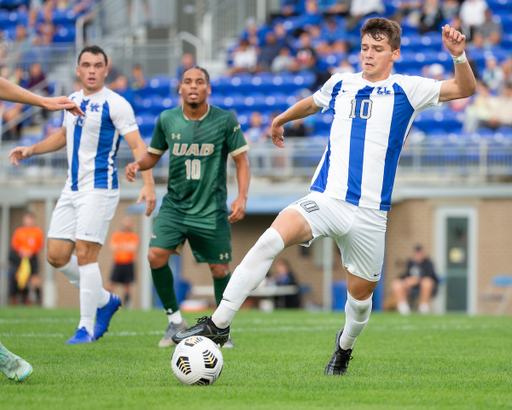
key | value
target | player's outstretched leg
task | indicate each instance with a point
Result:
(246, 277)
(14, 367)
(357, 315)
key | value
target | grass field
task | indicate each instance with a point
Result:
(434, 362)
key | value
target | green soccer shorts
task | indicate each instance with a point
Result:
(208, 245)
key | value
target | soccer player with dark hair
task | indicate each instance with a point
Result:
(199, 138)
(13, 366)
(90, 196)
(351, 188)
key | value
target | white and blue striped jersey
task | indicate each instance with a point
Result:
(371, 123)
(93, 140)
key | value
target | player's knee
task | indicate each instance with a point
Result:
(156, 259)
(219, 270)
(397, 285)
(56, 260)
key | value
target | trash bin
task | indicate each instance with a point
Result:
(339, 294)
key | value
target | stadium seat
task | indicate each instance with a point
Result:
(146, 123)
(65, 34)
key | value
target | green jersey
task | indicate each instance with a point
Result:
(198, 151)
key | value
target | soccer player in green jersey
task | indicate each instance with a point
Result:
(199, 138)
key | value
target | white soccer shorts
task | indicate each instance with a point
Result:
(84, 215)
(358, 232)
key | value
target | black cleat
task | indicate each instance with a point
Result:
(205, 327)
(338, 364)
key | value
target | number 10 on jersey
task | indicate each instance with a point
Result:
(193, 168)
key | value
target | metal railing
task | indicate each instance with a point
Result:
(420, 163)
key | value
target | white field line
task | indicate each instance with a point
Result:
(268, 329)
(39, 320)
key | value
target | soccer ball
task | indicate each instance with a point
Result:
(197, 361)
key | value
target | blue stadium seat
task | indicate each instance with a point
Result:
(159, 85)
(31, 139)
(65, 34)
(146, 123)
(64, 17)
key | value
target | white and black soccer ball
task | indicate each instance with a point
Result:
(197, 361)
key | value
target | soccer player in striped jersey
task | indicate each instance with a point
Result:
(89, 199)
(14, 367)
(351, 189)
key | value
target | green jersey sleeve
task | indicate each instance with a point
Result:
(158, 143)
(234, 136)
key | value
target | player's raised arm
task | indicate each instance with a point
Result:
(464, 83)
(53, 143)
(14, 93)
(301, 109)
(147, 192)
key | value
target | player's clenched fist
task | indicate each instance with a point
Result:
(131, 171)
(453, 40)
(20, 153)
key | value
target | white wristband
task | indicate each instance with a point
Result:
(460, 59)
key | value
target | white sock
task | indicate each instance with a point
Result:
(71, 271)
(247, 276)
(403, 308)
(424, 308)
(90, 290)
(175, 317)
(357, 315)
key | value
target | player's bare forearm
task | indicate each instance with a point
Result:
(14, 93)
(147, 161)
(243, 176)
(464, 83)
(301, 109)
(53, 143)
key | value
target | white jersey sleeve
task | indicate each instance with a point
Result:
(323, 96)
(422, 92)
(123, 117)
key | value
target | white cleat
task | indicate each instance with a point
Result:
(14, 367)
(171, 329)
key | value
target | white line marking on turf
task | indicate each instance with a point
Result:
(267, 329)
(40, 320)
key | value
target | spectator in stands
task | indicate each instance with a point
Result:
(251, 33)
(256, 132)
(408, 8)
(282, 36)
(306, 55)
(4, 44)
(268, 52)
(334, 7)
(481, 110)
(489, 33)
(419, 274)
(124, 245)
(311, 15)
(333, 30)
(283, 61)
(364, 8)
(26, 242)
(296, 129)
(122, 87)
(21, 41)
(435, 71)
(37, 79)
(138, 81)
(285, 277)
(18, 77)
(492, 75)
(290, 8)
(245, 58)
(431, 17)
(187, 60)
(472, 13)
(450, 8)
(502, 117)
(46, 28)
(343, 67)
(506, 67)
(113, 73)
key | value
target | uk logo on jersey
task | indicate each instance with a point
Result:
(383, 90)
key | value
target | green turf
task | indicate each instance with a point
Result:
(436, 362)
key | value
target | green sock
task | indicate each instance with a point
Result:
(164, 285)
(219, 284)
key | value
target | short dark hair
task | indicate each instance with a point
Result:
(206, 75)
(93, 50)
(379, 28)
